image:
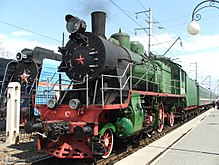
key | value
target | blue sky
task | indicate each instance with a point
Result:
(29, 23)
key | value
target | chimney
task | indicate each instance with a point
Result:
(98, 23)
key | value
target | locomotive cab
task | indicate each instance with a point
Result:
(116, 90)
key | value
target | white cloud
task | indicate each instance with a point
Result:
(13, 45)
(3, 37)
(21, 34)
(200, 43)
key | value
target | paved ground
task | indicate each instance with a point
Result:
(200, 146)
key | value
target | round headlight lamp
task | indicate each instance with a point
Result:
(74, 103)
(52, 103)
(19, 56)
(24, 56)
(74, 24)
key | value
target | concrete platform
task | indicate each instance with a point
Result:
(196, 142)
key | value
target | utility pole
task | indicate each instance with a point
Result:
(217, 86)
(172, 45)
(149, 21)
(209, 82)
(215, 89)
(63, 39)
(150, 31)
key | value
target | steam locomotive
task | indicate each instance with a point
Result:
(117, 91)
(27, 70)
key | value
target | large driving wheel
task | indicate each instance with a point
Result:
(160, 124)
(107, 141)
(170, 119)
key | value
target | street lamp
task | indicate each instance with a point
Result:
(193, 28)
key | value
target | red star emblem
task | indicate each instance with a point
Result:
(24, 77)
(80, 60)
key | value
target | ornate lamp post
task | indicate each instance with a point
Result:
(193, 28)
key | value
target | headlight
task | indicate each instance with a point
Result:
(74, 103)
(19, 56)
(24, 56)
(52, 103)
(74, 24)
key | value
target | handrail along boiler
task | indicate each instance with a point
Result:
(116, 92)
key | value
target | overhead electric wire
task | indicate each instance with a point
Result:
(135, 22)
(164, 28)
(159, 43)
(120, 25)
(21, 28)
(182, 17)
(128, 16)
(140, 25)
(83, 4)
(173, 19)
(168, 32)
(106, 17)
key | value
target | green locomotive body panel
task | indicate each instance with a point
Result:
(137, 47)
(123, 38)
(192, 93)
(132, 121)
(138, 112)
(179, 81)
(165, 77)
(173, 77)
(148, 73)
(144, 73)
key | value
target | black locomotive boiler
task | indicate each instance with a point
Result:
(117, 91)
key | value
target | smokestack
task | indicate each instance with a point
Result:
(98, 23)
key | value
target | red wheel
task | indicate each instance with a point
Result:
(170, 119)
(107, 141)
(160, 123)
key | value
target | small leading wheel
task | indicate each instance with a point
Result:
(137, 138)
(160, 124)
(170, 119)
(107, 141)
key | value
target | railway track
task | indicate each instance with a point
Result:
(119, 153)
